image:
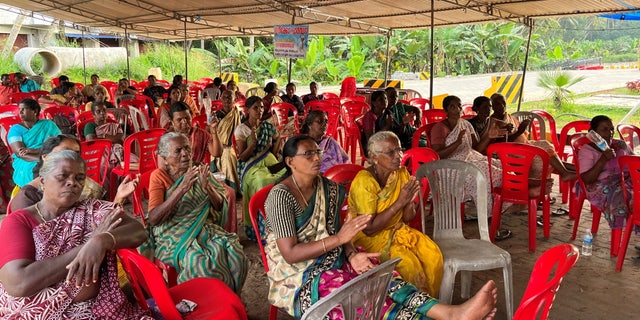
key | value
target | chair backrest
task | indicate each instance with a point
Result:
(348, 88)
(578, 141)
(147, 142)
(139, 194)
(329, 95)
(96, 155)
(545, 280)
(630, 134)
(145, 277)
(575, 127)
(421, 103)
(350, 110)
(632, 166)
(39, 93)
(343, 173)
(361, 298)
(551, 126)
(255, 91)
(5, 124)
(9, 110)
(200, 121)
(433, 115)
(139, 113)
(467, 111)
(415, 157)
(418, 135)
(445, 178)
(66, 111)
(18, 96)
(537, 129)
(256, 206)
(281, 111)
(516, 160)
(333, 115)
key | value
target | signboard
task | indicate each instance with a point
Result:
(290, 40)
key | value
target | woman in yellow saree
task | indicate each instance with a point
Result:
(386, 191)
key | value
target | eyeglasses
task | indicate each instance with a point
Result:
(393, 152)
(310, 153)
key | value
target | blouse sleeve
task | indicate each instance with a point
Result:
(280, 210)
(587, 158)
(156, 190)
(15, 134)
(363, 195)
(17, 230)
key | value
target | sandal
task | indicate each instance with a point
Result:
(540, 222)
(503, 234)
(560, 212)
(551, 202)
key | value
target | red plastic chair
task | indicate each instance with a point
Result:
(329, 95)
(66, 111)
(575, 206)
(333, 116)
(96, 155)
(146, 142)
(467, 111)
(550, 123)
(423, 130)
(200, 121)
(632, 164)
(413, 159)
(214, 298)
(350, 112)
(39, 93)
(6, 123)
(344, 175)
(9, 110)
(516, 160)
(545, 280)
(565, 153)
(348, 87)
(140, 194)
(433, 115)
(629, 133)
(281, 111)
(256, 206)
(18, 96)
(422, 103)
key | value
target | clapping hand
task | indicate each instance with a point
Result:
(352, 226)
(410, 190)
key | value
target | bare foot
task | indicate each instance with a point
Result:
(480, 306)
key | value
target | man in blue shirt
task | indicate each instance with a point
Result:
(26, 85)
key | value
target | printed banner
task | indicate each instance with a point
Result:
(290, 40)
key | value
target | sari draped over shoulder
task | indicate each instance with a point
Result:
(117, 150)
(422, 261)
(254, 173)
(32, 139)
(333, 153)
(193, 240)
(54, 238)
(228, 162)
(199, 139)
(465, 152)
(295, 287)
(606, 193)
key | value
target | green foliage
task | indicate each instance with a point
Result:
(558, 83)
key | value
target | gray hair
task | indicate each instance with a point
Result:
(378, 137)
(51, 162)
(163, 144)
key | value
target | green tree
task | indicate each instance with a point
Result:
(558, 83)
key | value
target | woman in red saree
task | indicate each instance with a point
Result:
(62, 264)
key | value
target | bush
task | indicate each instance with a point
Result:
(634, 85)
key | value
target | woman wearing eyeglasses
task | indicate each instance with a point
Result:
(310, 252)
(385, 191)
(315, 125)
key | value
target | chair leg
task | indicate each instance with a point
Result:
(465, 284)
(495, 217)
(533, 216)
(508, 287)
(616, 235)
(623, 245)
(575, 207)
(546, 216)
(273, 312)
(595, 223)
(446, 286)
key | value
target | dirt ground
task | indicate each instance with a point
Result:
(591, 290)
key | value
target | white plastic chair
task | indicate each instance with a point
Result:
(138, 119)
(361, 298)
(460, 254)
(536, 121)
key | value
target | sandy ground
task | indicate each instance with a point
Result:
(591, 290)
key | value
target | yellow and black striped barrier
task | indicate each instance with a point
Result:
(507, 85)
(226, 77)
(424, 75)
(381, 83)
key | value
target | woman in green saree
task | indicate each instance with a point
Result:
(187, 210)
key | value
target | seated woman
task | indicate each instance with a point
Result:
(315, 125)
(100, 94)
(32, 192)
(517, 132)
(313, 94)
(292, 98)
(69, 96)
(186, 98)
(101, 129)
(62, 261)
(125, 90)
(310, 254)
(385, 191)
(231, 85)
(376, 119)
(257, 143)
(230, 119)
(187, 210)
(203, 140)
(271, 92)
(601, 173)
(26, 138)
(163, 112)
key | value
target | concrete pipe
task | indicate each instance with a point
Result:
(51, 63)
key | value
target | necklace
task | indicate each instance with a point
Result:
(40, 214)
(306, 204)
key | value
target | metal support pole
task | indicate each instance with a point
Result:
(293, 21)
(431, 59)
(186, 59)
(84, 61)
(126, 46)
(387, 59)
(526, 60)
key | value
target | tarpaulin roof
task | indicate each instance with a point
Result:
(169, 19)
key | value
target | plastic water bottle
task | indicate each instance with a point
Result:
(587, 243)
(597, 140)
